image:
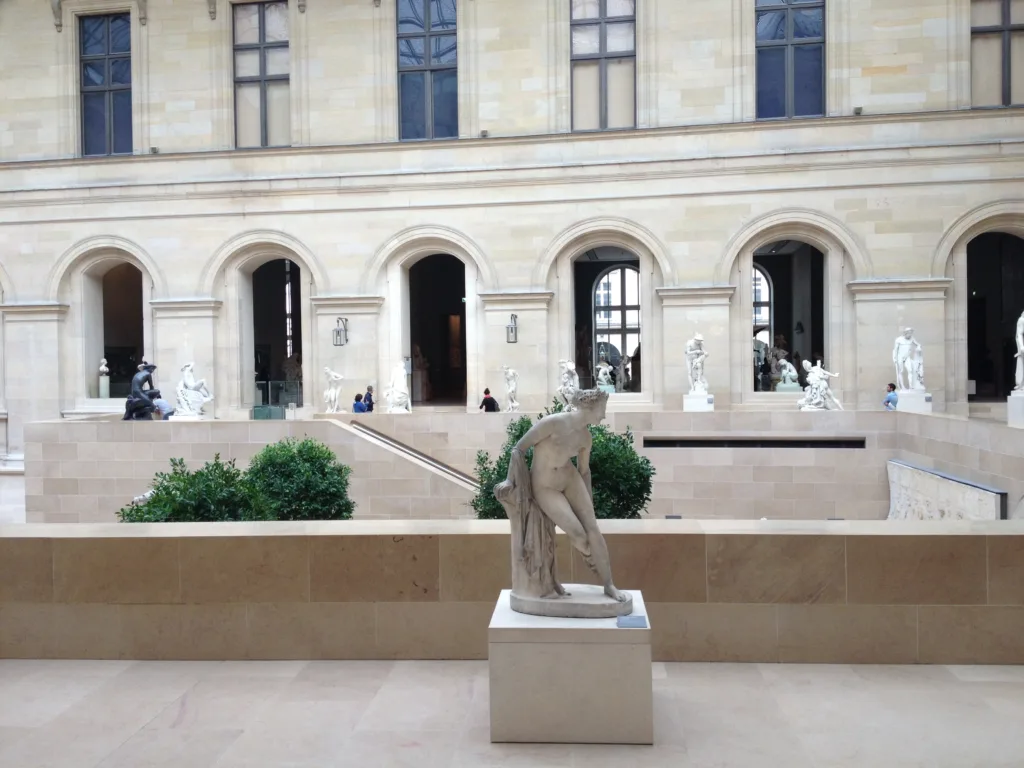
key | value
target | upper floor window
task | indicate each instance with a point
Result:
(428, 70)
(603, 64)
(997, 53)
(790, 41)
(105, 59)
(262, 66)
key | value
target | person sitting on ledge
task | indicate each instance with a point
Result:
(891, 398)
(359, 406)
(489, 404)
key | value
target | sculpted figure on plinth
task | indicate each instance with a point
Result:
(139, 405)
(511, 389)
(1019, 357)
(192, 395)
(569, 383)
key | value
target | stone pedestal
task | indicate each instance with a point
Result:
(1015, 410)
(104, 388)
(788, 386)
(914, 401)
(570, 681)
(698, 402)
(609, 388)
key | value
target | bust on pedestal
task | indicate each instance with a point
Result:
(697, 399)
(104, 380)
(908, 357)
(1015, 402)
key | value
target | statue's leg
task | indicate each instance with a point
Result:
(583, 507)
(554, 504)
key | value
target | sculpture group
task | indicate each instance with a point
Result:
(192, 394)
(696, 354)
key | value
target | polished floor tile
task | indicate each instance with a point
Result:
(91, 714)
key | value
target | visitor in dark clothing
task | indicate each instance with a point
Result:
(489, 404)
(368, 399)
(359, 406)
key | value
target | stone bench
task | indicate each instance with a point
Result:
(921, 493)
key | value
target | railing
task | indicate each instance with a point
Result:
(438, 466)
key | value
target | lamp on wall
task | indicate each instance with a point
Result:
(512, 330)
(341, 332)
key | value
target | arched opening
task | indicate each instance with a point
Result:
(277, 333)
(119, 321)
(790, 323)
(437, 329)
(995, 301)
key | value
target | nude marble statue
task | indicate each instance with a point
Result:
(818, 395)
(1019, 357)
(511, 389)
(696, 355)
(332, 394)
(397, 394)
(569, 383)
(904, 350)
(788, 372)
(192, 395)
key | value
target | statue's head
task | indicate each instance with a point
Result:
(908, 332)
(699, 338)
(187, 367)
(103, 361)
(807, 365)
(592, 403)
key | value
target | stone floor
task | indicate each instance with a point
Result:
(77, 714)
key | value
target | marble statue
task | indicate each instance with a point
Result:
(555, 492)
(622, 374)
(139, 405)
(397, 394)
(569, 383)
(604, 375)
(696, 354)
(818, 395)
(511, 389)
(332, 394)
(788, 373)
(1019, 357)
(192, 394)
(292, 367)
(903, 353)
(104, 371)
(776, 355)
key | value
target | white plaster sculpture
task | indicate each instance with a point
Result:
(622, 374)
(555, 492)
(569, 383)
(905, 351)
(104, 371)
(511, 389)
(696, 354)
(818, 395)
(604, 375)
(397, 394)
(788, 373)
(1019, 357)
(104, 380)
(192, 394)
(776, 355)
(332, 395)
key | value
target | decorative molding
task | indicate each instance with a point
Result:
(905, 288)
(212, 5)
(495, 301)
(695, 295)
(30, 312)
(353, 305)
(196, 307)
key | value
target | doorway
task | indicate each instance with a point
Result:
(277, 333)
(995, 299)
(437, 329)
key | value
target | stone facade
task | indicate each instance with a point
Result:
(891, 196)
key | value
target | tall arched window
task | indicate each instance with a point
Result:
(616, 314)
(762, 306)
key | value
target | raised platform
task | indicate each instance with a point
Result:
(570, 681)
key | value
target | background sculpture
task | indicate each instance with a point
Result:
(332, 394)
(569, 383)
(788, 372)
(511, 389)
(903, 351)
(192, 394)
(397, 394)
(104, 371)
(1019, 371)
(818, 395)
(696, 354)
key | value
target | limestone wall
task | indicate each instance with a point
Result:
(838, 593)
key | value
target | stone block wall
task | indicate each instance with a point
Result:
(836, 593)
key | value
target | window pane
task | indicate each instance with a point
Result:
(412, 99)
(608, 319)
(632, 318)
(443, 49)
(1017, 11)
(94, 35)
(771, 25)
(446, 104)
(986, 13)
(410, 15)
(586, 98)
(279, 115)
(809, 23)
(632, 346)
(986, 70)
(761, 3)
(247, 115)
(247, 24)
(94, 124)
(621, 93)
(771, 82)
(442, 14)
(1017, 68)
(120, 34)
(121, 71)
(278, 61)
(93, 73)
(122, 122)
(586, 9)
(808, 84)
(586, 39)
(622, 7)
(276, 21)
(410, 52)
(247, 63)
(620, 38)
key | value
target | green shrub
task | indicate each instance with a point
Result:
(300, 480)
(622, 479)
(215, 493)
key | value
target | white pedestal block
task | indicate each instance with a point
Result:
(104, 388)
(914, 401)
(1015, 410)
(698, 402)
(569, 681)
(783, 386)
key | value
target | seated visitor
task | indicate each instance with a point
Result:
(165, 408)
(891, 398)
(368, 399)
(359, 406)
(489, 404)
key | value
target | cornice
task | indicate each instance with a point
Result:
(905, 288)
(353, 305)
(695, 295)
(29, 312)
(505, 300)
(190, 307)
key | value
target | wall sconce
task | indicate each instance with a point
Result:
(512, 330)
(341, 332)
(799, 327)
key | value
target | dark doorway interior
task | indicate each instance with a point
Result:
(995, 299)
(437, 318)
(277, 333)
(122, 326)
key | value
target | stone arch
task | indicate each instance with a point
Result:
(415, 243)
(818, 229)
(97, 249)
(1001, 216)
(261, 245)
(607, 230)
